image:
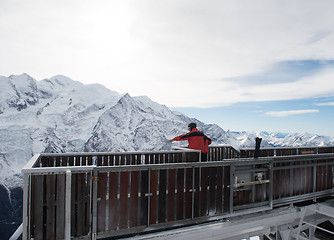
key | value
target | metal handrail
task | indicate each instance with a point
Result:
(235, 166)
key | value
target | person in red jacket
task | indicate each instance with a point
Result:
(196, 139)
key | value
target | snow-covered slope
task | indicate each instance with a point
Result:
(62, 115)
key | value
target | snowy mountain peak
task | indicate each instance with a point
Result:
(18, 92)
(64, 81)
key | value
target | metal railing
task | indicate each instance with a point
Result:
(286, 151)
(100, 195)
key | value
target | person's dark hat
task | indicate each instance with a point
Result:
(192, 125)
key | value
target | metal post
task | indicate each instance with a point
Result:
(271, 184)
(314, 187)
(232, 171)
(193, 196)
(68, 205)
(292, 173)
(94, 212)
(149, 198)
(26, 212)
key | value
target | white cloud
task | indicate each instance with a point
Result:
(177, 51)
(289, 113)
(325, 104)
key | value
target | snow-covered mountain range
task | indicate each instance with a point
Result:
(62, 115)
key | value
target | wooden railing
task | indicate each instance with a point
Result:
(101, 195)
(285, 151)
(218, 153)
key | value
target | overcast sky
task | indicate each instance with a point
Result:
(203, 57)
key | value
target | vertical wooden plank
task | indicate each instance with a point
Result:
(143, 211)
(44, 161)
(204, 191)
(309, 178)
(153, 197)
(38, 207)
(113, 205)
(243, 196)
(88, 207)
(137, 159)
(77, 161)
(180, 194)
(81, 205)
(58, 161)
(277, 188)
(287, 181)
(101, 203)
(162, 206)
(90, 160)
(197, 193)
(60, 206)
(266, 186)
(74, 209)
(302, 178)
(99, 161)
(124, 186)
(133, 215)
(212, 190)
(188, 193)
(219, 193)
(70, 161)
(171, 195)
(321, 172)
(296, 179)
(329, 175)
(50, 206)
(227, 184)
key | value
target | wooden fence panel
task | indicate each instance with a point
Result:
(38, 208)
(124, 186)
(74, 185)
(50, 207)
(162, 202)
(171, 195)
(143, 212)
(153, 197)
(82, 227)
(212, 189)
(113, 201)
(227, 195)
(188, 192)
(204, 191)
(133, 214)
(180, 194)
(197, 201)
(101, 203)
(219, 191)
(60, 206)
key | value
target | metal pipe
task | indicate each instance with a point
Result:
(17, 233)
(26, 214)
(94, 212)
(68, 205)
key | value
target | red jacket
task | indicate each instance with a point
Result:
(196, 139)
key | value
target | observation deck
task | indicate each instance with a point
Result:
(172, 195)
